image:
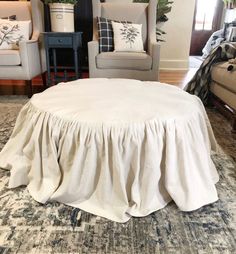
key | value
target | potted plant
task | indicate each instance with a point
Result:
(163, 7)
(230, 4)
(62, 15)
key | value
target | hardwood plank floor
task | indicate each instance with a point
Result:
(17, 87)
(178, 78)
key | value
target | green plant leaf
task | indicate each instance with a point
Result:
(163, 7)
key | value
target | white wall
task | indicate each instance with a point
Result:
(175, 51)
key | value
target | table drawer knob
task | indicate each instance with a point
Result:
(60, 41)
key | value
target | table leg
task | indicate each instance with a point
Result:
(55, 64)
(76, 63)
(48, 67)
(81, 58)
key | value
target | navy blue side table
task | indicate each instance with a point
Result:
(56, 40)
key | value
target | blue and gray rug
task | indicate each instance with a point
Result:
(29, 227)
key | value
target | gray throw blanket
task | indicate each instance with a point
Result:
(200, 83)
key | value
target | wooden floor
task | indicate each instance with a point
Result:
(17, 87)
(178, 78)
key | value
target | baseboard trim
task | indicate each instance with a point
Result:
(174, 64)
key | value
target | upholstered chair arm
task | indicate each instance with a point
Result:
(30, 58)
(155, 54)
(35, 36)
(94, 45)
(151, 45)
(151, 24)
(93, 51)
(96, 13)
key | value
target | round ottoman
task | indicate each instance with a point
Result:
(114, 147)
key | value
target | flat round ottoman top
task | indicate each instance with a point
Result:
(114, 147)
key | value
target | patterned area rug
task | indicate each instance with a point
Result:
(29, 227)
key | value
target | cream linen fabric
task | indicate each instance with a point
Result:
(115, 148)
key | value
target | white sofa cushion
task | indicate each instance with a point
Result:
(9, 57)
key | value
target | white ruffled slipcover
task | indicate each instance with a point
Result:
(113, 147)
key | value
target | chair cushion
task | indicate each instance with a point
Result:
(9, 57)
(223, 77)
(124, 60)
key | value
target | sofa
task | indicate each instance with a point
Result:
(28, 61)
(223, 90)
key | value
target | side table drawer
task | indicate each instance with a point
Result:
(60, 41)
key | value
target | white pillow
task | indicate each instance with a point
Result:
(127, 37)
(12, 32)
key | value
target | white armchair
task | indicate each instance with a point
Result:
(142, 66)
(29, 61)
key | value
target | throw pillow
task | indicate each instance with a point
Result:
(232, 34)
(128, 37)
(12, 32)
(105, 34)
(12, 17)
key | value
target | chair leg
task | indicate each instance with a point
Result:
(29, 88)
(44, 79)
